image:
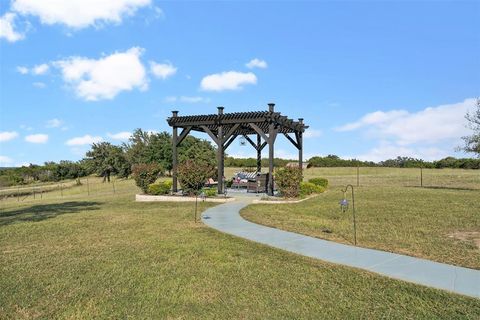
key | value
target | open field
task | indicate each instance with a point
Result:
(109, 257)
(440, 222)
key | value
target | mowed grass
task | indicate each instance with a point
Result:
(440, 222)
(109, 257)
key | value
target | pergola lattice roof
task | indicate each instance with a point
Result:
(228, 120)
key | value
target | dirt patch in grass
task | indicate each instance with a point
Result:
(468, 236)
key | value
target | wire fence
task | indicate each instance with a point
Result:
(80, 188)
(458, 179)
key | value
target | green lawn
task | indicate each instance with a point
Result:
(439, 222)
(106, 256)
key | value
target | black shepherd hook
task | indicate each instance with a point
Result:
(344, 202)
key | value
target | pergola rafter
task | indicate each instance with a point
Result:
(224, 128)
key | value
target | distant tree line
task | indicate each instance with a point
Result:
(105, 160)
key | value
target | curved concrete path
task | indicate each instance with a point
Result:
(226, 218)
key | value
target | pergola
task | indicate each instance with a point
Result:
(224, 128)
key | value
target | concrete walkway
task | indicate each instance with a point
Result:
(226, 218)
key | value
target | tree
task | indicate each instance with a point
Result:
(148, 147)
(193, 174)
(472, 142)
(106, 159)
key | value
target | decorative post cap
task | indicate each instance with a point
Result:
(220, 110)
(271, 107)
(175, 113)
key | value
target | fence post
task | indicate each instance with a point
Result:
(113, 186)
(358, 176)
(421, 177)
(88, 188)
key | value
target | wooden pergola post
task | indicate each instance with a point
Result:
(299, 137)
(220, 154)
(259, 153)
(272, 134)
(174, 154)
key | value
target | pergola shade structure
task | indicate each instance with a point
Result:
(224, 128)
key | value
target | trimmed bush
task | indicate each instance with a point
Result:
(322, 182)
(308, 188)
(288, 181)
(193, 175)
(160, 188)
(145, 174)
(210, 192)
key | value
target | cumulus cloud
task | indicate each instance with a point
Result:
(187, 99)
(84, 140)
(40, 69)
(7, 28)
(8, 135)
(124, 135)
(387, 150)
(162, 70)
(312, 133)
(431, 133)
(54, 123)
(37, 138)
(229, 80)
(256, 63)
(106, 77)
(432, 124)
(78, 14)
(39, 85)
(22, 70)
(5, 161)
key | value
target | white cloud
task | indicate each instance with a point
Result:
(39, 85)
(5, 161)
(86, 139)
(430, 125)
(54, 123)
(40, 69)
(25, 127)
(256, 63)
(229, 80)
(37, 138)
(162, 70)
(106, 77)
(124, 135)
(7, 28)
(312, 133)
(8, 135)
(187, 99)
(22, 70)
(387, 150)
(79, 14)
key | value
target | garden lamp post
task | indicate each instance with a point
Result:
(344, 208)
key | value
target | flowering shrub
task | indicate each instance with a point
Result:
(288, 181)
(193, 175)
(145, 174)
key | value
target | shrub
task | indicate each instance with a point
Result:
(228, 183)
(322, 182)
(160, 188)
(308, 188)
(193, 175)
(288, 181)
(145, 174)
(210, 192)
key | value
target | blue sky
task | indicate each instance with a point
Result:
(374, 80)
